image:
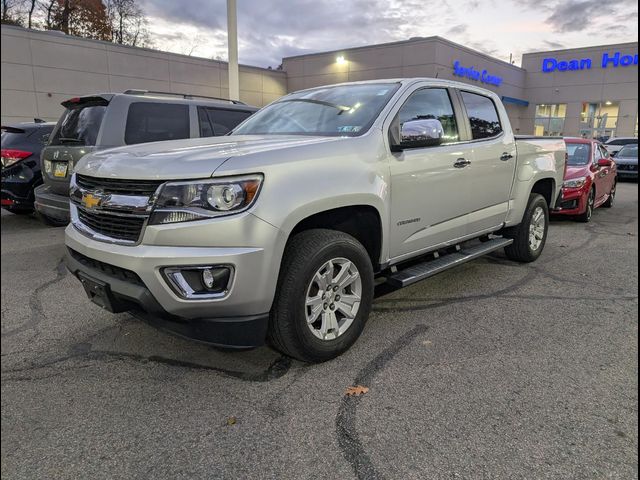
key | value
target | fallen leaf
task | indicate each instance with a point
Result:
(232, 421)
(357, 391)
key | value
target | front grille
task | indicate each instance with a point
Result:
(111, 270)
(118, 186)
(628, 168)
(119, 227)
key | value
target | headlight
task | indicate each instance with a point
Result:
(202, 199)
(575, 183)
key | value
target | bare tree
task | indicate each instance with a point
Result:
(32, 6)
(10, 12)
(128, 23)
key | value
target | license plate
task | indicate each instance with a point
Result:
(60, 170)
(97, 291)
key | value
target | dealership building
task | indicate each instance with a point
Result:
(591, 91)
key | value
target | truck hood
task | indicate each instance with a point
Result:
(184, 159)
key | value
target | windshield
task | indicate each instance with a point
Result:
(343, 110)
(630, 151)
(579, 153)
(79, 126)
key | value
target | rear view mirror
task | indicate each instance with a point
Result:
(421, 133)
(605, 162)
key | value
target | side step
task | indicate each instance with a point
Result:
(415, 273)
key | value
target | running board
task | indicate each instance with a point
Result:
(415, 273)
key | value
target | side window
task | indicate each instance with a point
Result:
(155, 122)
(206, 129)
(431, 104)
(603, 152)
(483, 116)
(223, 121)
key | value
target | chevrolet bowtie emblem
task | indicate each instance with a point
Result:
(90, 201)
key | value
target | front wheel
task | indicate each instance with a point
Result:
(324, 296)
(530, 237)
(591, 204)
(612, 196)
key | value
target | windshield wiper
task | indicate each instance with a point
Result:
(342, 108)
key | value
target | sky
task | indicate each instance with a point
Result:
(269, 30)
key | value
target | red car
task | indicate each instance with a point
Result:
(590, 179)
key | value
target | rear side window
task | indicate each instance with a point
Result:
(12, 136)
(622, 141)
(156, 122)
(431, 104)
(215, 121)
(79, 125)
(483, 116)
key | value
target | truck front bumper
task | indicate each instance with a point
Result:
(132, 278)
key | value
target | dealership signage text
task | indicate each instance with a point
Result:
(476, 75)
(609, 60)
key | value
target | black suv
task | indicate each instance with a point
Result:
(106, 120)
(21, 146)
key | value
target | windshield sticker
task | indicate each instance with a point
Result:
(349, 129)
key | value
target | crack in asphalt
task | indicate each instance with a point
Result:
(35, 306)
(277, 369)
(346, 428)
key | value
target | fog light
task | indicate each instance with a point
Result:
(208, 279)
(200, 282)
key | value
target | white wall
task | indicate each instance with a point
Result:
(41, 69)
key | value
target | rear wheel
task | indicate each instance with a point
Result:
(530, 237)
(612, 196)
(588, 213)
(20, 212)
(324, 296)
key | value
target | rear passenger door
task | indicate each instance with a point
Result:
(219, 121)
(493, 162)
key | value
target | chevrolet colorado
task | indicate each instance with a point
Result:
(278, 231)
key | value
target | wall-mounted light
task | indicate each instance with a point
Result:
(340, 60)
(608, 103)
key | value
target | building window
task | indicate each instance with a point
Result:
(599, 120)
(550, 119)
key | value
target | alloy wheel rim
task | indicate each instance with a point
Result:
(537, 229)
(333, 298)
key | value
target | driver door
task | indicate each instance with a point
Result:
(429, 185)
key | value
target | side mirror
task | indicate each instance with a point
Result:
(420, 133)
(613, 154)
(605, 162)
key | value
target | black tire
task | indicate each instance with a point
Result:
(305, 255)
(521, 250)
(50, 221)
(588, 213)
(612, 196)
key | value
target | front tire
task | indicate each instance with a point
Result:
(612, 196)
(530, 237)
(588, 213)
(324, 296)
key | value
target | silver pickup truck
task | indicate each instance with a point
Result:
(278, 231)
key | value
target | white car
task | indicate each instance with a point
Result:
(615, 144)
(276, 231)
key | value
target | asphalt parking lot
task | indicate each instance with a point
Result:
(491, 370)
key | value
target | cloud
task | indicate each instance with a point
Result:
(458, 29)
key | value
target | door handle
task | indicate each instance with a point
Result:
(506, 157)
(461, 163)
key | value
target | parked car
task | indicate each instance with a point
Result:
(590, 179)
(614, 145)
(98, 122)
(627, 160)
(277, 230)
(21, 146)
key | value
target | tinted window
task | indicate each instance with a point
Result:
(622, 141)
(630, 151)
(431, 104)
(215, 121)
(79, 125)
(578, 153)
(483, 116)
(156, 122)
